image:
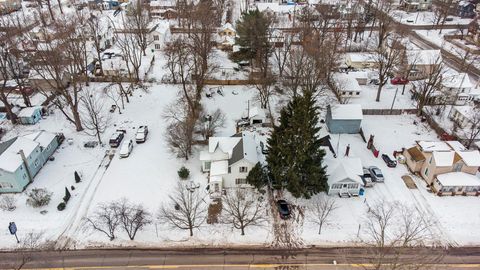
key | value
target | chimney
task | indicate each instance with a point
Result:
(25, 163)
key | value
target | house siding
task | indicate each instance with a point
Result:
(229, 179)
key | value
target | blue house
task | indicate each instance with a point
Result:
(21, 159)
(344, 118)
(30, 115)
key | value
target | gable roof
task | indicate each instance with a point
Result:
(424, 57)
(461, 80)
(347, 168)
(43, 137)
(346, 112)
(29, 111)
(10, 160)
(416, 154)
(444, 158)
(246, 149)
(470, 158)
(458, 179)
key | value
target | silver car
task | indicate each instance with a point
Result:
(367, 178)
(376, 173)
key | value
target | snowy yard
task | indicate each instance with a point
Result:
(149, 175)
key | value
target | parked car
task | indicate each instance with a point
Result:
(376, 173)
(367, 178)
(126, 149)
(389, 160)
(142, 133)
(90, 144)
(116, 138)
(375, 81)
(283, 209)
(449, 19)
(399, 81)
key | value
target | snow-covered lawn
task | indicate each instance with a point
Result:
(425, 18)
(369, 94)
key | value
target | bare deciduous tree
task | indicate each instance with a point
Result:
(473, 129)
(94, 115)
(105, 219)
(243, 208)
(386, 58)
(428, 91)
(321, 208)
(185, 209)
(391, 231)
(210, 122)
(133, 217)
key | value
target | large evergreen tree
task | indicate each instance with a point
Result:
(258, 177)
(253, 35)
(294, 155)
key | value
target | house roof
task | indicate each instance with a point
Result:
(416, 154)
(431, 146)
(246, 149)
(232, 149)
(227, 26)
(443, 158)
(424, 57)
(458, 179)
(461, 80)
(346, 82)
(44, 138)
(456, 145)
(347, 112)
(347, 168)
(466, 111)
(256, 111)
(362, 57)
(10, 160)
(225, 144)
(29, 111)
(471, 158)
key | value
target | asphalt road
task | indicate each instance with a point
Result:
(216, 258)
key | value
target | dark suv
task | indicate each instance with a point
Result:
(116, 138)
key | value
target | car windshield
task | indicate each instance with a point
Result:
(377, 172)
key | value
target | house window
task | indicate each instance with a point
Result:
(240, 181)
(5, 185)
(352, 186)
(207, 165)
(358, 93)
(36, 163)
(336, 186)
(457, 167)
(430, 161)
(156, 38)
(472, 189)
(157, 47)
(243, 169)
(229, 169)
(344, 93)
(426, 171)
(24, 175)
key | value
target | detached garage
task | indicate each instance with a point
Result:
(344, 118)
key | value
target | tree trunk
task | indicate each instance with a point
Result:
(379, 91)
(191, 231)
(77, 119)
(49, 5)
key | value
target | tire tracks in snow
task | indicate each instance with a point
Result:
(65, 237)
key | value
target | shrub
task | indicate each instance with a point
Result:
(39, 197)
(61, 206)
(183, 173)
(8, 202)
(77, 177)
(67, 195)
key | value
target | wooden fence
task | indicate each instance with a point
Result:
(388, 111)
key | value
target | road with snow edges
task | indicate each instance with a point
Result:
(218, 258)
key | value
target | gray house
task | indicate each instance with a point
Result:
(21, 158)
(344, 118)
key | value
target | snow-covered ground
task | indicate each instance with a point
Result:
(425, 18)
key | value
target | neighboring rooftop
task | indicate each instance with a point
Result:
(458, 179)
(347, 112)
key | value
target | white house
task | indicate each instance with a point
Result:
(228, 160)
(344, 176)
(347, 84)
(463, 115)
(458, 87)
(158, 34)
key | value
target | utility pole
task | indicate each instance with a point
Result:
(393, 101)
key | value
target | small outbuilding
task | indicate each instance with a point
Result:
(344, 179)
(344, 118)
(30, 115)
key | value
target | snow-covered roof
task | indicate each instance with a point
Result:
(225, 144)
(29, 111)
(456, 145)
(424, 57)
(249, 147)
(275, 7)
(362, 57)
(227, 26)
(453, 179)
(256, 112)
(44, 138)
(219, 167)
(10, 160)
(347, 112)
(471, 158)
(467, 111)
(346, 82)
(443, 158)
(431, 146)
(461, 80)
(347, 168)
